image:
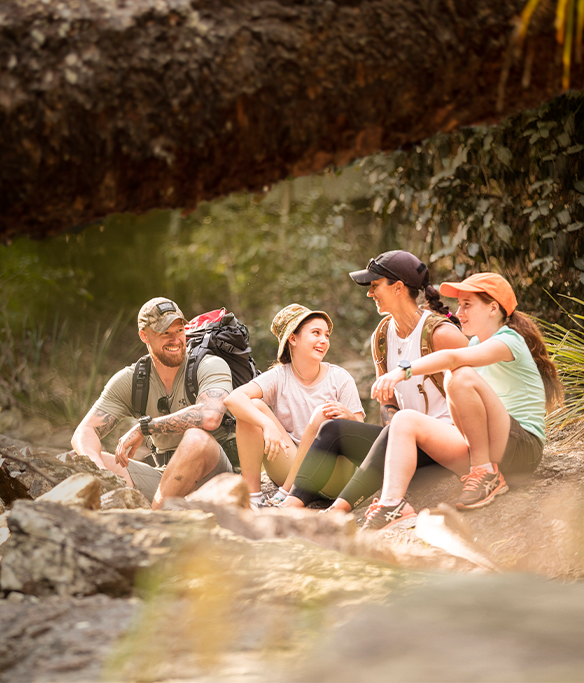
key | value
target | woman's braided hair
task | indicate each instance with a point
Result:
(433, 300)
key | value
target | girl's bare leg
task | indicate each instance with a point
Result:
(250, 446)
(479, 415)
(316, 419)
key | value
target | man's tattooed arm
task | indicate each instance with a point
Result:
(387, 412)
(94, 427)
(102, 422)
(206, 414)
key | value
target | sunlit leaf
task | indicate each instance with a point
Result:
(575, 226)
(504, 232)
(563, 139)
(504, 155)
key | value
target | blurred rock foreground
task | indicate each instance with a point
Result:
(97, 587)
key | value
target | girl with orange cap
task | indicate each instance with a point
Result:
(498, 389)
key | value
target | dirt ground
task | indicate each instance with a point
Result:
(533, 532)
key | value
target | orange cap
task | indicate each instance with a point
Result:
(492, 284)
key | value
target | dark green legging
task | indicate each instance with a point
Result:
(363, 444)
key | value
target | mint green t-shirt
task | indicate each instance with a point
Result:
(517, 382)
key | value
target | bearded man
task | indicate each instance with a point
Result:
(186, 438)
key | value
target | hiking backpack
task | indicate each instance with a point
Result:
(379, 350)
(217, 333)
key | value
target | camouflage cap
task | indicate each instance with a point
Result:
(287, 320)
(158, 314)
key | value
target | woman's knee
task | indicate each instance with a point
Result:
(404, 421)
(245, 430)
(460, 379)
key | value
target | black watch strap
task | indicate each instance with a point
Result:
(145, 421)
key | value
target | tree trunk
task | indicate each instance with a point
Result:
(110, 106)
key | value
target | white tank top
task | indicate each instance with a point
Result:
(408, 392)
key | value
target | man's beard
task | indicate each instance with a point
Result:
(170, 360)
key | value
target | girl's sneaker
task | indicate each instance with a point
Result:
(480, 488)
(257, 500)
(279, 497)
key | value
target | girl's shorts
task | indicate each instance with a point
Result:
(523, 452)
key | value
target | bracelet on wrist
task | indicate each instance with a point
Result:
(406, 366)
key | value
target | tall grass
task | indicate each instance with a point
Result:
(566, 349)
(54, 373)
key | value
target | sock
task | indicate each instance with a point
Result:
(487, 466)
(258, 496)
(391, 502)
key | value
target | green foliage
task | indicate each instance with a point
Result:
(566, 348)
(57, 296)
(508, 199)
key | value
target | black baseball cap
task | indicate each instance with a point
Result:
(395, 265)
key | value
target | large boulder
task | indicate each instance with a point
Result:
(53, 549)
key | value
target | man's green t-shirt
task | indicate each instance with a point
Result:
(517, 382)
(116, 398)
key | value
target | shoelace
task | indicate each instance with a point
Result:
(373, 508)
(472, 479)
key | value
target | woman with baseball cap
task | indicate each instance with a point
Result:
(279, 412)
(498, 390)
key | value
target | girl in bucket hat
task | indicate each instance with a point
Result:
(498, 389)
(278, 413)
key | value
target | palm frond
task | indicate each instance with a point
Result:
(569, 21)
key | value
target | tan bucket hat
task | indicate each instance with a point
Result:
(288, 319)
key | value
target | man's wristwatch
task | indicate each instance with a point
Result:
(144, 422)
(407, 366)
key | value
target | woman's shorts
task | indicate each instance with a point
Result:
(523, 452)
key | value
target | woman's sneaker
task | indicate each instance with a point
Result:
(380, 517)
(480, 488)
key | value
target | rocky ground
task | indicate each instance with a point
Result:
(97, 588)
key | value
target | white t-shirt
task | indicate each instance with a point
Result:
(408, 392)
(293, 403)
